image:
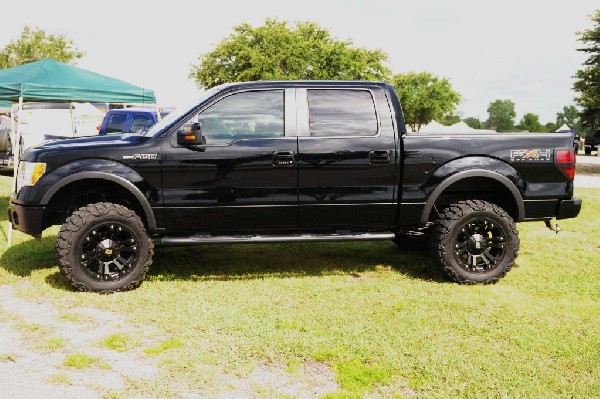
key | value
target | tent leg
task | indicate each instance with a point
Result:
(16, 157)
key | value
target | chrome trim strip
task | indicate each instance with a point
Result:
(249, 239)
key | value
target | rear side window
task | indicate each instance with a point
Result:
(140, 123)
(341, 113)
(115, 123)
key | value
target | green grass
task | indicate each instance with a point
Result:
(60, 379)
(51, 344)
(588, 169)
(119, 342)
(75, 317)
(163, 346)
(386, 321)
(81, 361)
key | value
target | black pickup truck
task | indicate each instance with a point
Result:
(291, 161)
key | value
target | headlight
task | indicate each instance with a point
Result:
(29, 173)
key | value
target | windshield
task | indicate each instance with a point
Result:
(178, 112)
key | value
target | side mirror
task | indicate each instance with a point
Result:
(190, 135)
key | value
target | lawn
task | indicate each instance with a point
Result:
(385, 321)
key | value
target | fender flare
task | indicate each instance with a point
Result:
(468, 174)
(126, 184)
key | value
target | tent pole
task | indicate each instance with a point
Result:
(72, 121)
(16, 156)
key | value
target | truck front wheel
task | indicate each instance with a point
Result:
(474, 241)
(104, 247)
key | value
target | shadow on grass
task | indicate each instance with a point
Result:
(242, 262)
(255, 261)
(23, 258)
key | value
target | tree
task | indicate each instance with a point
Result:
(34, 44)
(531, 123)
(501, 115)
(551, 127)
(276, 51)
(424, 97)
(448, 119)
(569, 116)
(588, 78)
(475, 123)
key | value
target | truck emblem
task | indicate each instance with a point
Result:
(533, 155)
(141, 156)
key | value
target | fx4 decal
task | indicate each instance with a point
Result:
(535, 155)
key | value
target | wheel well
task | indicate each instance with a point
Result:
(80, 193)
(481, 188)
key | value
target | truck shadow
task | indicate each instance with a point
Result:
(255, 261)
(243, 262)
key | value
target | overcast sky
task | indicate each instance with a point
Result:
(523, 50)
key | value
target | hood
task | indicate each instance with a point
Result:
(93, 142)
(108, 146)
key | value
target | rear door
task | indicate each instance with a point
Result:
(347, 158)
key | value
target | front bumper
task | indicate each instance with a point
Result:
(567, 209)
(27, 219)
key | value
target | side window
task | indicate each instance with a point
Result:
(252, 114)
(341, 113)
(115, 123)
(140, 123)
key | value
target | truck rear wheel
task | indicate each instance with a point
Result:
(104, 247)
(474, 241)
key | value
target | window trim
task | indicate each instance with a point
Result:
(304, 113)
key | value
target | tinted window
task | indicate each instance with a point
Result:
(341, 113)
(115, 123)
(140, 123)
(253, 114)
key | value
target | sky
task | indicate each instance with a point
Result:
(522, 50)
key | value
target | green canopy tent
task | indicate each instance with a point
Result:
(50, 80)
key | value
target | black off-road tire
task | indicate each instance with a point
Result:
(104, 247)
(588, 150)
(474, 242)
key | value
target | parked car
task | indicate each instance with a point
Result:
(129, 120)
(591, 142)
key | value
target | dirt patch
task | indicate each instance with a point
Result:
(36, 339)
(30, 369)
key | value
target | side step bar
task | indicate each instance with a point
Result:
(249, 239)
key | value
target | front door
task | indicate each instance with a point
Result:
(244, 178)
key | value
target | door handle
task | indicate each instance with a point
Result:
(284, 158)
(380, 157)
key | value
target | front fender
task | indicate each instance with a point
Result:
(51, 182)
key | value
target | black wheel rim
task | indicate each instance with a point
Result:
(480, 245)
(109, 252)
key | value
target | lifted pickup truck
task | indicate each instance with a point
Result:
(290, 161)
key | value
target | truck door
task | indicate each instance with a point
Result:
(244, 177)
(347, 158)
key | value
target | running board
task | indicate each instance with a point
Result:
(249, 239)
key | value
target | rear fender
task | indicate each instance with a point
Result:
(470, 167)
